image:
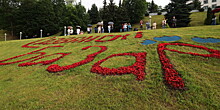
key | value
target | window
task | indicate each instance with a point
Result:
(205, 7)
(213, 0)
(206, 1)
(213, 6)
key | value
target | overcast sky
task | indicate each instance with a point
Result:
(99, 3)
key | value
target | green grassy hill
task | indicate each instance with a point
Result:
(32, 87)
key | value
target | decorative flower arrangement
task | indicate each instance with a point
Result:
(138, 68)
(139, 35)
(53, 40)
(91, 57)
(171, 76)
(39, 54)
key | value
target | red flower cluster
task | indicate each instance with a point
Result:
(138, 68)
(53, 40)
(91, 57)
(171, 76)
(38, 54)
(44, 62)
(139, 35)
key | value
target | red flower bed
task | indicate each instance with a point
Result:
(139, 35)
(37, 52)
(138, 68)
(171, 76)
(91, 57)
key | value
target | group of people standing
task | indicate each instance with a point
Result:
(126, 27)
(154, 24)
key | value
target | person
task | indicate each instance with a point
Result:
(129, 27)
(89, 30)
(109, 28)
(154, 25)
(78, 31)
(147, 25)
(96, 29)
(174, 22)
(122, 27)
(164, 23)
(99, 29)
(103, 30)
(81, 32)
(213, 19)
(141, 24)
(125, 27)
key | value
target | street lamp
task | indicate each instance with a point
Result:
(5, 36)
(41, 33)
(150, 21)
(20, 35)
(64, 30)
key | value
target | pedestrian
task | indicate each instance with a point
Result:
(129, 27)
(78, 31)
(109, 28)
(154, 25)
(125, 27)
(103, 30)
(214, 19)
(89, 30)
(164, 23)
(99, 29)
(122, 27)
(174, 20)
(148, 25)
(141, 24)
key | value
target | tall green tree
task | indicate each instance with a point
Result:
(153, 7)
(136, 9)
(209, 15)
(8, 10)
(180, 10)
(196, 4)
(94, 14)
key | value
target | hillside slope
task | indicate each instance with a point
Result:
(76, 87)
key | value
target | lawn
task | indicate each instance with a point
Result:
(33, 87)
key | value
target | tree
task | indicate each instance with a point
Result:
(196, 4)
(94, 14)
(135, 9)
(153, 8)
(180, 10)
(8, 10)
(208, 19)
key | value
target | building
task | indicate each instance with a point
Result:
(209, 3)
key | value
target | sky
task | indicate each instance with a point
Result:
(99, 3)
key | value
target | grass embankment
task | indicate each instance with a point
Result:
(197, 19)
(34, 88)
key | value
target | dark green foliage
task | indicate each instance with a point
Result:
(135, 9)
(180, 10)
(94, 14)
(30, 16)
(153, 7)
(208, 19)
(196, 4)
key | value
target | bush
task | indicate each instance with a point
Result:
(159, 13)
(201, 10)
(147, 14)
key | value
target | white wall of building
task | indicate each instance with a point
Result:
(209, 3)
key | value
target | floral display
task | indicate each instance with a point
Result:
(171, 76)
(91, 57)
(139, 35)
(138, 68)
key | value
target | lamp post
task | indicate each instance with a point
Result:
(5, 36)
(41, 33)
(20, 35)
(64, 30)
(150, 21)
